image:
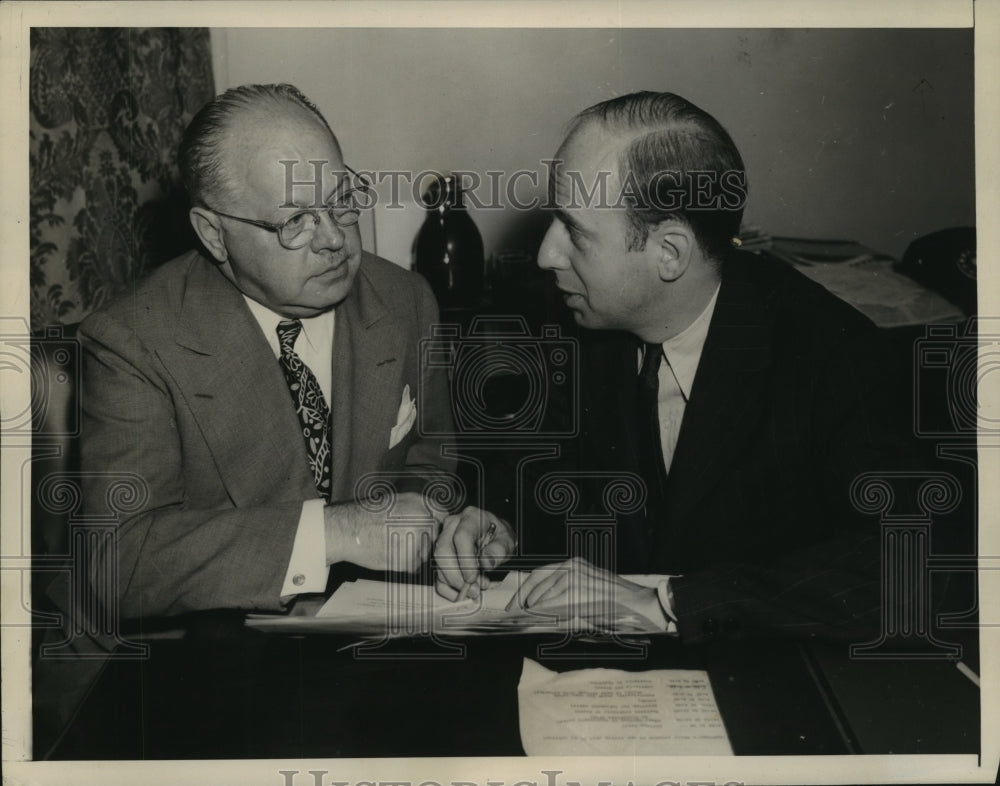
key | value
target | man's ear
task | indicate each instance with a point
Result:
(672, 244)
(209, 229)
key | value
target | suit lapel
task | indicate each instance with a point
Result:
(725, 404)
(368, 360)
(233, 386)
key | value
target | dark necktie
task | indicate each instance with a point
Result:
(310, 406)
(652, 466)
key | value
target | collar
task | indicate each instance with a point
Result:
(316, 330)
(683, 351)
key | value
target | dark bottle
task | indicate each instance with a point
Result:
(449, 249)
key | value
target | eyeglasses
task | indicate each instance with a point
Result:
(298, 229)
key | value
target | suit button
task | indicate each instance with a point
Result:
(709, 627)
(298, 579)
(731, 625)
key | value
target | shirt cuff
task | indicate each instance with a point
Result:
(662, 586)
(667, 600)
(307, 568)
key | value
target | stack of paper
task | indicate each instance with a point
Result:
(378, 608)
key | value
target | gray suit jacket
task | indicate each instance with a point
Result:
(182, 389)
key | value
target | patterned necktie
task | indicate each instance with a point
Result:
(310, 406)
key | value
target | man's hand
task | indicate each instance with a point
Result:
(577, 588)
(365, 538)
(470, 542)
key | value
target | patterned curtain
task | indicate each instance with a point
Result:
(108, 107)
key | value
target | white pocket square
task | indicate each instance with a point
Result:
(405, 418)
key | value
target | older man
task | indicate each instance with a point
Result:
(741, 393)
(254, 383)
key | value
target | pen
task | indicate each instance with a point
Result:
(968, 672)
(484, 540)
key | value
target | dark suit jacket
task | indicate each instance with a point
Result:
(784, 413)
(182, 389)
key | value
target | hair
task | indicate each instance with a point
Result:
(200, 154)
(672, 136)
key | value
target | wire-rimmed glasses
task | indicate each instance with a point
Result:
(298, 229)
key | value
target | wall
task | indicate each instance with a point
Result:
(863, 134)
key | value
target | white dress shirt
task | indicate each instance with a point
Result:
(676, 377)
(307, 569)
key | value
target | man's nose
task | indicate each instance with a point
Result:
(329, 234)
(550, 254)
